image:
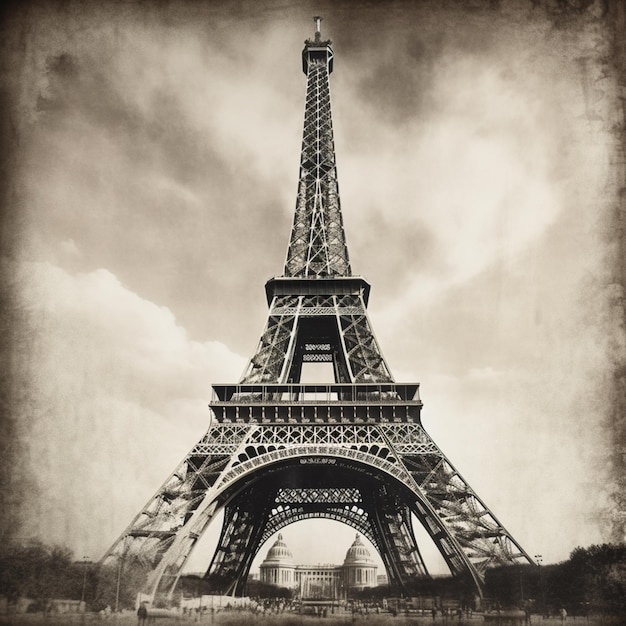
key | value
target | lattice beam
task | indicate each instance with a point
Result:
(317, 246)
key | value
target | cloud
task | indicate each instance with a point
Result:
(474, 175)
(118, 395)
(164, 164)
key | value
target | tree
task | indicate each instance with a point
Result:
(596, 577)
(119, 584)
(593, 579)
(258, 589)
(513, 585)
(39, 572)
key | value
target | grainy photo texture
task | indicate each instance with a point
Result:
(153, 159)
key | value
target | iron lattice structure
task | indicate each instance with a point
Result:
(278, 451)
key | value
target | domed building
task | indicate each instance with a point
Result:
(319, 581)
(359, 569)
(278, 567)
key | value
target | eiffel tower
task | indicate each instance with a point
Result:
(278, 450)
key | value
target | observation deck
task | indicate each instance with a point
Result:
(317, 286)
(342, 403)
(316, 49)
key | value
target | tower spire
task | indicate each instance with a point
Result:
(318, 28)
(317, 281)
(317, 247)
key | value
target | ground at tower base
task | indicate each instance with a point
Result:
(343, 617)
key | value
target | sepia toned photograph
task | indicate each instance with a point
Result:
(313, 312)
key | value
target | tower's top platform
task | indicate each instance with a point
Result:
(317, 49)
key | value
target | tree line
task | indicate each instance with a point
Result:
(42, 572)
(591, 581)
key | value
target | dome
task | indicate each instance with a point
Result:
(358, 554)
(279, 553)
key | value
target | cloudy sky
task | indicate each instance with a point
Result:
(152, 187)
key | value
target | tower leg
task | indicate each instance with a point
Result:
(391, 523)
(244, 521)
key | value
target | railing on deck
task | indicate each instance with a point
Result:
(303, 393)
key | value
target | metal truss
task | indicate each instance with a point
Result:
(232, 457)
(339, 504)
(478, 537)
(239, 540)
(268, 363)
(380, 515)
(364, 356)
(262, 509)
(353, 516)
(398, 548)
(292, 327)
(317, 247)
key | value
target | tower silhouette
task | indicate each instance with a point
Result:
(279, 450)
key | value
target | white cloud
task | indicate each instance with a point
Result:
(233, 99)
(119, 395)
(478, 175)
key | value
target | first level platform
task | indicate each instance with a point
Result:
(317, 403)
